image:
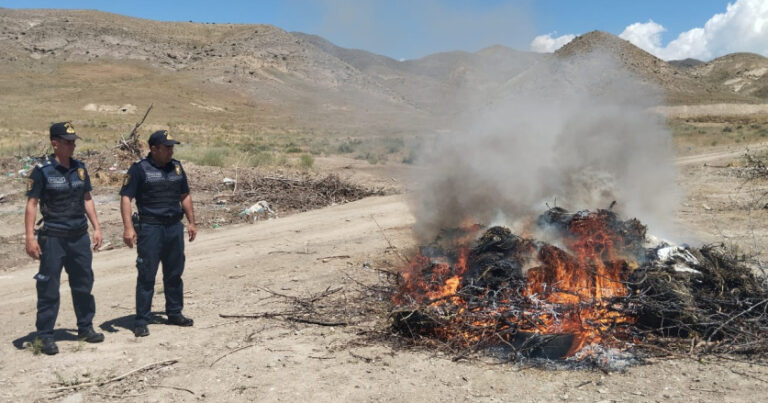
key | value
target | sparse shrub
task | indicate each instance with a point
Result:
(727, 129)
(261, 159)
(345, 148)
(281, 160)
(410, 158)
(306, 161)
(212, 157)
(36, 346)
(370, 157)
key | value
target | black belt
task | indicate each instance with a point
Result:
(153, 219)
(62, 233)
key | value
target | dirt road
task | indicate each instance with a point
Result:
(272, 360)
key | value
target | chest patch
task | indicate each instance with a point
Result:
(56, 183)
(154, 176)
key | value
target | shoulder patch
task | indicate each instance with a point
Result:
(30, 184)
(177, 169)
(81, 173)
(126, 179)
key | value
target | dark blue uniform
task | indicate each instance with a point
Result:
(160, 233)
(63, 241)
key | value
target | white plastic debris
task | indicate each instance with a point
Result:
(679, 258)
(228, 181)
(260, 210)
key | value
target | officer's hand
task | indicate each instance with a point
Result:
(129, 237)
(192, 230)
(33, 248)
(97, 239)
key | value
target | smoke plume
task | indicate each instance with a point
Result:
(574, 133)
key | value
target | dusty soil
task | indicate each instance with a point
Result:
(230, 269)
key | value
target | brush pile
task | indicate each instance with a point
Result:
(597, 283)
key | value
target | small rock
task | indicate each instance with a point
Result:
(74, 398)
(231, 345)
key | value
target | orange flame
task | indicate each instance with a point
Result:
(570, 291)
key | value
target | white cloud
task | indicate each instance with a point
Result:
(742, 28)
(547, 43)
(644, 35)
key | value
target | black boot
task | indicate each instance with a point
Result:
(89, 335)
(49, 346)
(180, 320)
(141, 331)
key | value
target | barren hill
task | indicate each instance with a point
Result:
(743, 73)
(236, 67)
(680, 86)
(66, 64)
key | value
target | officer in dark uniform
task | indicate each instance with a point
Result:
(159, 184)
(62, 187)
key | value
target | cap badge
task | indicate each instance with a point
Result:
(70, 129)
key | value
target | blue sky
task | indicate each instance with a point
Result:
(411, 29)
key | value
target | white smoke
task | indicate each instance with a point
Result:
(576, 133)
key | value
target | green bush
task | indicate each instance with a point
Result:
(212, 157)
(345, 148)
(306, 161)
(261, 159)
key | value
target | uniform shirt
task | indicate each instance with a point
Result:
(157, 189)
(61, 192)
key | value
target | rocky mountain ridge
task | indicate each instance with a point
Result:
(306, 73)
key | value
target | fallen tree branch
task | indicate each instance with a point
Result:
(316, 322)
(171, 387)
(229, 353)
(120, 377)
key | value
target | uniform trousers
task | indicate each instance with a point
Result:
(159, 243)
(75, 256)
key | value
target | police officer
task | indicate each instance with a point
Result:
(62, 187)
(159, 184)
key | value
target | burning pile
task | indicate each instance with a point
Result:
(598, 284)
